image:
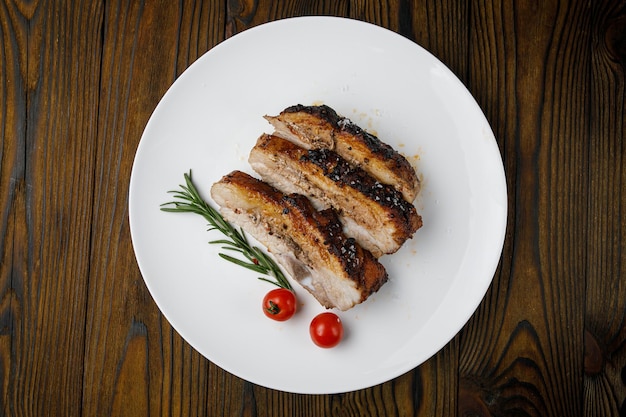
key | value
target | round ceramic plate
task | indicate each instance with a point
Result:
(207, 123)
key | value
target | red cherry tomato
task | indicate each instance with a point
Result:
(326, 330)
(279, 304)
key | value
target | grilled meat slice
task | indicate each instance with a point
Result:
(309, 244)
(320, 127)
(373, 213)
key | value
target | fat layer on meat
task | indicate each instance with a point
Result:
(375, 214)
(308, 243)
(320, 127)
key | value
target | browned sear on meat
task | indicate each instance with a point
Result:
(374, 213)
(332, 198)
(310, 244)
(320, 127)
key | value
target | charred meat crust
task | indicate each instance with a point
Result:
(359, 147)
(353, 258)
(340, 123)
(298, 218)
(344, 175)
(347, 187)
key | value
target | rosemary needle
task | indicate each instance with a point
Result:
(188, 200)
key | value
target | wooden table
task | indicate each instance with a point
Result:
(80, 334)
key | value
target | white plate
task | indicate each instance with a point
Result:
(209, 120)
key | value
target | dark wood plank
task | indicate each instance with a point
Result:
(49, 103)
(521, 354)
(201, 27)
(605, 323)
(244, 14)
(136, 364)
(13, 228)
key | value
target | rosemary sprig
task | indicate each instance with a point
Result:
(188, 200)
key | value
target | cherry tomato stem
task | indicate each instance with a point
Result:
(279, 304)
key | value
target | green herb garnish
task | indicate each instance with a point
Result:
(188, 200)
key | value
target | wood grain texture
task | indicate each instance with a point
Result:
(605, 318)
(244, 14)
(47, 161)
(13, 246)
(116, 330)
(139, 365)
(80, 334)
(521, 354)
